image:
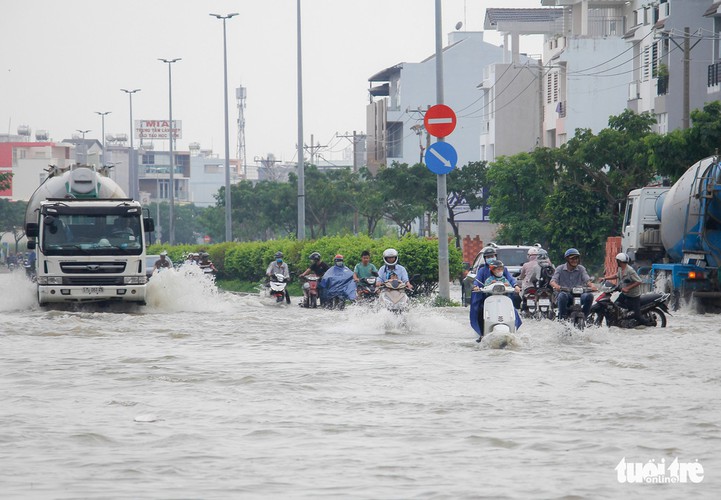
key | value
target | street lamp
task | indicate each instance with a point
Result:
(132, 163)
(228, 219)
(102, 116)
(85, 147)
(171, 225)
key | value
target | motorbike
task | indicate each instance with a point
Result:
(653, 308)
(310, 291)
(393, 295)
(278, 284)
(30, 271)
(575, 310)
(499, 315)
(366, 289)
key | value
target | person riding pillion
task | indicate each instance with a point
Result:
(278, 267)
(365, 268)
(391, 267)
(484, 272)
(528, 267)
(630, 283)
(571, 275)
(497, 267)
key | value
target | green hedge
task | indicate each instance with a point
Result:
(247, 261)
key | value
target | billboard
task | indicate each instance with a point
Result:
(158, 129)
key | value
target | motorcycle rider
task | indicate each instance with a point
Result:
(528, 268)
(317, 266)
(484, 272)
(337, 283)
(630, 282)
(364, 269)
(571, 275)
(278, 267)
(162, 262)
(391, 266)
(205, 262)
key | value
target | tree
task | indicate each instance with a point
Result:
(403, 194)
(5, 180)
(465, 193)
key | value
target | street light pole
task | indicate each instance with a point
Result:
(442, 192)
(102, 117)
(301, 160)
(85, 147)
(171, 133)
(132, 160)
(228, 218)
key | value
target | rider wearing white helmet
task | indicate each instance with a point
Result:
(391, 266)
(629, 281)
(527, 270)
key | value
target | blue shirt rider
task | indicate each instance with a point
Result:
(391, 266)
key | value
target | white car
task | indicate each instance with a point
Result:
(512, 256)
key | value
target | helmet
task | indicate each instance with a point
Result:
(278, 255)
(338, 257)
(533, 251)
(495, 264)
(542, 254)
(389, 253)
(163, 253)
(314, 256)
(622, 257)
(489, 251)
(571, 252)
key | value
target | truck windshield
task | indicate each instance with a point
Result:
(69, 234)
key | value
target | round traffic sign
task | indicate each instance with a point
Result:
(440, 120)
(441, 158)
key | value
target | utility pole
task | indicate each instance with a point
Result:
(102, 116)
(443, 274)
(132, 158)
(313, 149)
(171, 137)
(687, 48)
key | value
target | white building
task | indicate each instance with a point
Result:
(403, 92)
(207, 176)
(512, 108)
(657, 35)
(585, 72)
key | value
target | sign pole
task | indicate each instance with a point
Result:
(443, 273)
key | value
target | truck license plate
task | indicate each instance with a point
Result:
(93, 289)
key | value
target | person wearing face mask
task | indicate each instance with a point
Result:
(496, 267)
(337, 281)
(278, 267)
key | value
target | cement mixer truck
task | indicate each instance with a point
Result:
(89, 238)
(677, 231)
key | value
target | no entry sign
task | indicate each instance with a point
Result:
(440, 120)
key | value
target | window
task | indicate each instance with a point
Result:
(148, 159)
(629, 211)
(394, 140)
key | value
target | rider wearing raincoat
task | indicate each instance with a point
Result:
(337, 281)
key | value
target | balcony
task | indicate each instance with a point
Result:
(662, 85)
(714, 74)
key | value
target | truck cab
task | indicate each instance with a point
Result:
(90, 250)
(641, 232)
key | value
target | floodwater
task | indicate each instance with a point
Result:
(214, 395)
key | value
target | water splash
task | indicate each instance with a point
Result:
(18, 292)
(186, 289)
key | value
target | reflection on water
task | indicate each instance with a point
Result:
(206, 394)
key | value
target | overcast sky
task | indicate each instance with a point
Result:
(62, 60)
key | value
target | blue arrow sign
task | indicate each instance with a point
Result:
(441, 158)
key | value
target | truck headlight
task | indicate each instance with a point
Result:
(42, 280)
(55, 280)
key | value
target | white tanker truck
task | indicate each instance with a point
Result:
(89, 238)
(677, 231)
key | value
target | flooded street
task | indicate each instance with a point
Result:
(214, 395)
